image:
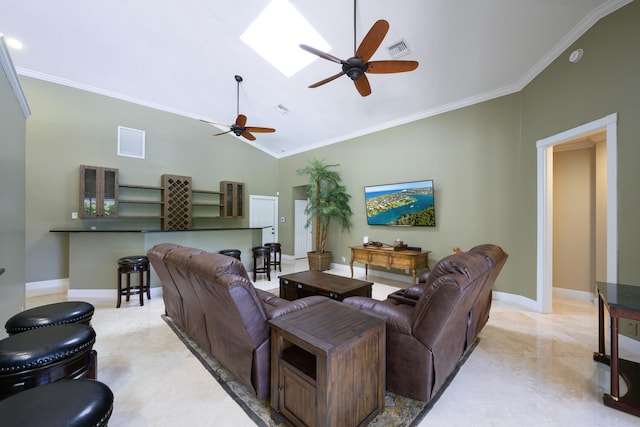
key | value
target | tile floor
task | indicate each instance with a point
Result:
(529, 369)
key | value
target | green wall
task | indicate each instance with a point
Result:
(468, 153)
(70, 127)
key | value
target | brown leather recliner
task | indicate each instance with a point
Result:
(427, 336)
(211, 297)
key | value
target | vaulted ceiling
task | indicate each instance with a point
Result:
(182, 57)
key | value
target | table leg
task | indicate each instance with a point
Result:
(366, 270)
(615, 379)
(351, 264)
(413, 276)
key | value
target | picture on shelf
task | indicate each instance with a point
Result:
(405, 203)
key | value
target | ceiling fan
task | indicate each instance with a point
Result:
(356, 66)
(240, 127)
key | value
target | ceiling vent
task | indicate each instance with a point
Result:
(399, 49)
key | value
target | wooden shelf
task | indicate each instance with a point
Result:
(146, 202)
(142, 187)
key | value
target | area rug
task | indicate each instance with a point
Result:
(398, 410)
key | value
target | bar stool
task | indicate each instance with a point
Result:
(263, 253)
(45, 355)
(231, 252)
(129, 265)
(58, 313)
(68, 403)
(276, 250)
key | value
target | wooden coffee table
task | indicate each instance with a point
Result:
(327, 366)
(306, 283)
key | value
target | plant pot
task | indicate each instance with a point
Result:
(319, 261)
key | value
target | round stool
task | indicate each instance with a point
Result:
(261, 253)
(129, 265)
(276, 250)
(65, 403)
(46, 355)
(59, 313)
(231, 252)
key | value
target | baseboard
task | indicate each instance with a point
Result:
(570, 293)
(524, 302)
(46, 287)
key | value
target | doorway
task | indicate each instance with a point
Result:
(263, 212)
(545, 148)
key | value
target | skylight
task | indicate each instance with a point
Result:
(277, 33)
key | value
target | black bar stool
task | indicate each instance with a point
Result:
(129, 265)
(44, 355)
(276, 250)
(261, 253)
(68, 403)
(59, 313)
(231, 252)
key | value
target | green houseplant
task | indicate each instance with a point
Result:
(328, 200)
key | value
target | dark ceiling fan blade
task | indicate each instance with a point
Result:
(371, 42)
(327, 80)
(386, 67)
(363, 86)
(241, 120)
(259, 129)
(248, 135)
(222, 133)
(321, 54)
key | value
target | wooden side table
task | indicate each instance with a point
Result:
(403, 259)
(327, 366)
(621, 301)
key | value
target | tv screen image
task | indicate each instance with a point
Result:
(404, 203)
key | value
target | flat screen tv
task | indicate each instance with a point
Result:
(404, 203)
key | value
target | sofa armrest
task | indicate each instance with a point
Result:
(276, 306)
(423, 276)
(398, 315)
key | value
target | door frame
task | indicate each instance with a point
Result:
(544, 270)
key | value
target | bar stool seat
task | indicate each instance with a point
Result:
(58, 313)
(65, 403)
(261, 253)
(45, 355)
(129, 265)
(231, 252)
(276, 251)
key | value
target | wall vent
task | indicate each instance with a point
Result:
(399, 49)
(130, 142)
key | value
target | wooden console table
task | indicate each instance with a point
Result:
(621, 301)
(327, 366)
(402, 260)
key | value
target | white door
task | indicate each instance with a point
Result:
(302, 235)
(263, 212)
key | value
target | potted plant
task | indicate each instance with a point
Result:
(328, 200)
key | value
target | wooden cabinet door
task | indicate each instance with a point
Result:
(233, 199)
(98, 192)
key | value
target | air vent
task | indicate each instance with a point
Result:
(399, 49)
(281, 109)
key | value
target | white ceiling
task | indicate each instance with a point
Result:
(182, 57)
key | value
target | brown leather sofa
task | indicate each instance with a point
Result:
(430, 327)
(211, 297)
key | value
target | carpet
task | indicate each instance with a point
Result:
(398, 410)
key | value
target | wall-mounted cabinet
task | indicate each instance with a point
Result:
(98, 192)
(174, 202)
(233, 199)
